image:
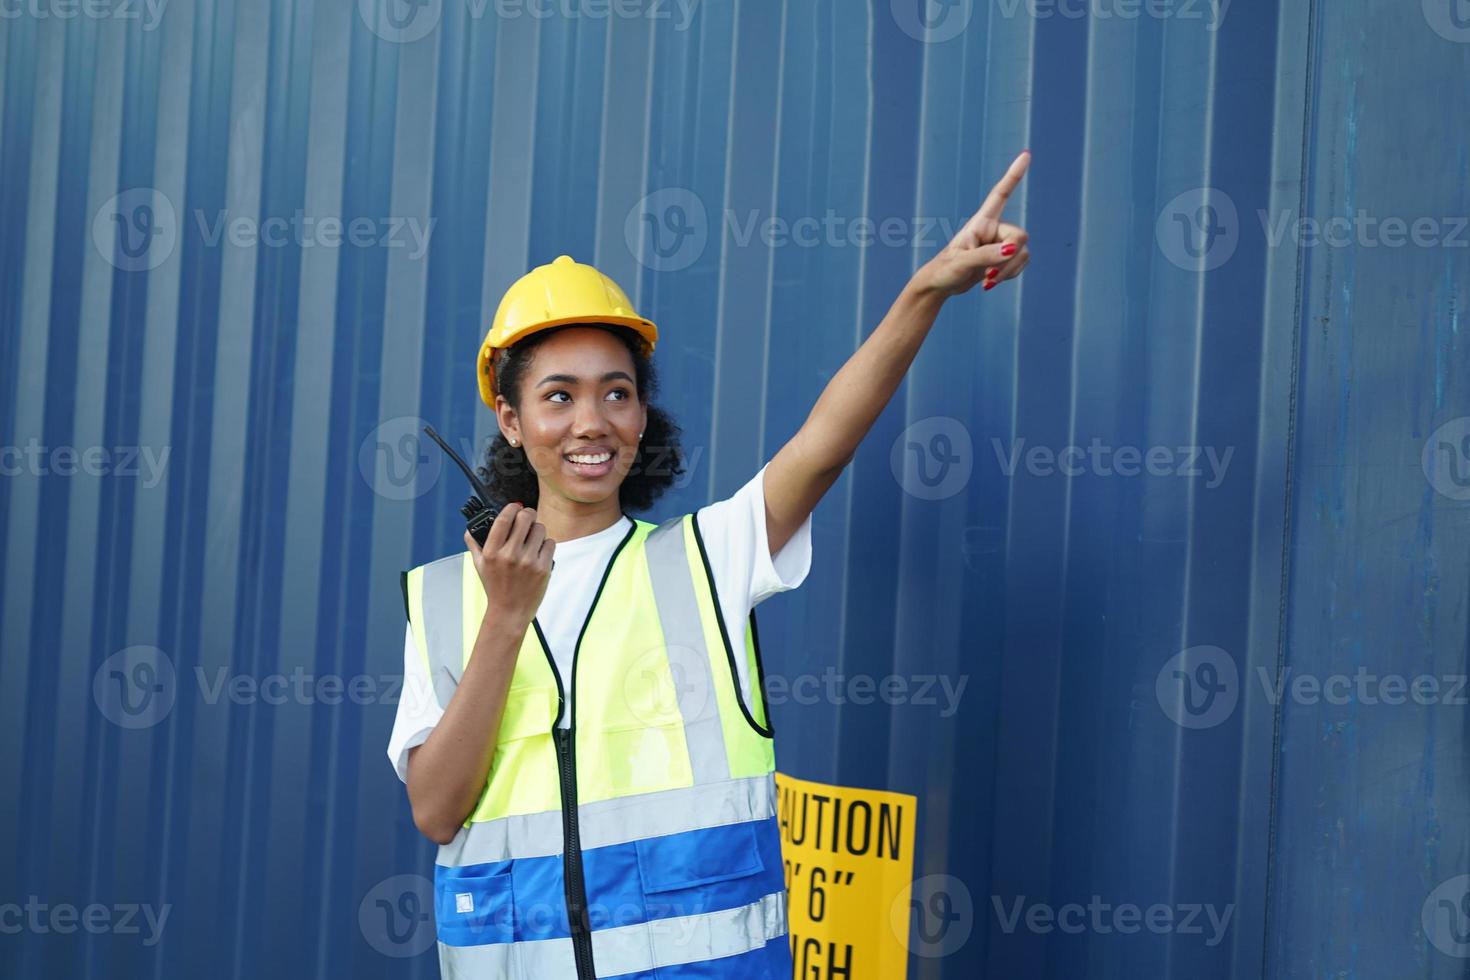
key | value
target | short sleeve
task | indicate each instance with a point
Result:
(418, 708)
(745, 573)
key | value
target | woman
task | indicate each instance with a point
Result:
(589, 748)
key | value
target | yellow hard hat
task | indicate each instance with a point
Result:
(553, 295)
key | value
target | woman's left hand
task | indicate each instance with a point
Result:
(986, 248)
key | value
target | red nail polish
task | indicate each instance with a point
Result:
(992, 272)
(1008, 249)
(990, 285)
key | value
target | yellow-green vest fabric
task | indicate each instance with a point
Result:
(669, 862)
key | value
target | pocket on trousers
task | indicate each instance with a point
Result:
(474, 906)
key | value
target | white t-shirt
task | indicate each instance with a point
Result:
(734, 533)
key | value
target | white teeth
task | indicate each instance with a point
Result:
(599, 458)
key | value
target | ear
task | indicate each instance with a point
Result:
(510, 424)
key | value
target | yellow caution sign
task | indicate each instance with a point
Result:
(849, 856)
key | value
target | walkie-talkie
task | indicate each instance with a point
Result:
(478, 510)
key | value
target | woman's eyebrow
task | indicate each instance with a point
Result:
(571, 379)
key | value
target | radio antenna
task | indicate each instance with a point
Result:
(469, 473)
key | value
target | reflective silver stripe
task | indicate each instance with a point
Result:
(630, 949)
(443, 605)
(615, 821)
(678, 615)
(499, 962)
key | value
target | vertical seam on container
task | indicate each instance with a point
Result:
(1283, 609)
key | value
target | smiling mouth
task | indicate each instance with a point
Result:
(589, 464)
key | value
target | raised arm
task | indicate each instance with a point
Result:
(806, 467)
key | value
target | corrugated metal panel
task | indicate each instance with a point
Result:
(260, 529)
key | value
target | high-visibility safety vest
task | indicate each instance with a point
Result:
(642, 842)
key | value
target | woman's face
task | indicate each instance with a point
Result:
(579, 397)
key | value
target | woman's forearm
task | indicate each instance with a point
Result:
(447, 774)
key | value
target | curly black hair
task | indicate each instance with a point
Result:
(659, 462)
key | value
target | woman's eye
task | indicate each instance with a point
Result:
(620, 391)
(558, 392)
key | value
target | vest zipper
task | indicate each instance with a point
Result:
(576, 887)
(564, 739)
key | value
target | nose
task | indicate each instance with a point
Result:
(589, 421)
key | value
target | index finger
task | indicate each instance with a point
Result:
(1001, 193)
(500, 527)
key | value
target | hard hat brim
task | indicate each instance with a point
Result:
(486, 363)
